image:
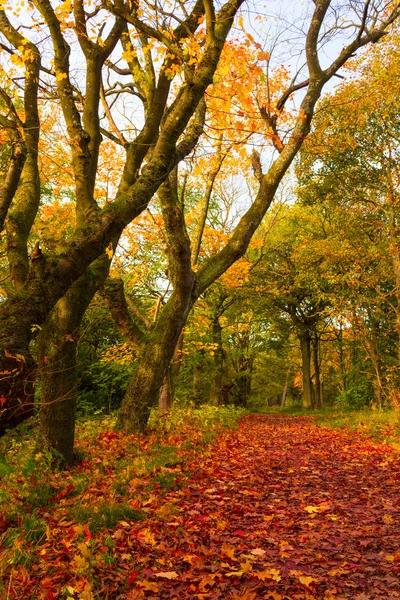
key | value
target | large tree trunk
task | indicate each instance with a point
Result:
(58, 380)
(57, 360)
(153, 360)
(307, 394)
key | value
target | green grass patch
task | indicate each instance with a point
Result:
(105, 516)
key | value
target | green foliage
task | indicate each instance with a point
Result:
(103, 386)
(355, 398)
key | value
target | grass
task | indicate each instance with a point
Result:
(105, 516)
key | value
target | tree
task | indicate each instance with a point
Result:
(166, 134)
(349, 167)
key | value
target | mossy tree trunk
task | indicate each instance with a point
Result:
(58, 342)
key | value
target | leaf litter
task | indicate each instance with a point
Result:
(278, 509)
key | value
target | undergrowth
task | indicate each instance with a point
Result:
(379, 425)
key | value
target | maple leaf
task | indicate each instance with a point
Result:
(149, 586)
(246, 567)
(306, 580)
(208, 580)
(228, 550)
(311, 509)
(268, 574)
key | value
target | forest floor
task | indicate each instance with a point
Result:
(277, 508)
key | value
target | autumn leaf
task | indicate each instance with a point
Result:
(307, 581)
(167, 575)
(258, 552)
(228, 550)
(312, 509)
(149, 586)
(268, 574)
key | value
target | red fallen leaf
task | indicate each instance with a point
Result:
(240, 532)
(132, 577)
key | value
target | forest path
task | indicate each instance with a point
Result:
(280, 509)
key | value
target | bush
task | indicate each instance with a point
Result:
(355, 398)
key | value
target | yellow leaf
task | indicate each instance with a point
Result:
(387, 519)
(83, 549)
(390, 558)
(149, 586)
(61, 76)
(246, 567)
(311, 509)
(268, 574)
(228, 550)
(109, 250)
(306, 580)
(147, 537)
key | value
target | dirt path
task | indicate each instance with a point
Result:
(279, 509)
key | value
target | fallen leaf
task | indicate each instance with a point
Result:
(167, 574)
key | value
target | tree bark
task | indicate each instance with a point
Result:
(317, 371)
(57, 359)
(307, 394)
(285, 389)
(164, 400)
(216, 389)
(153, 360)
